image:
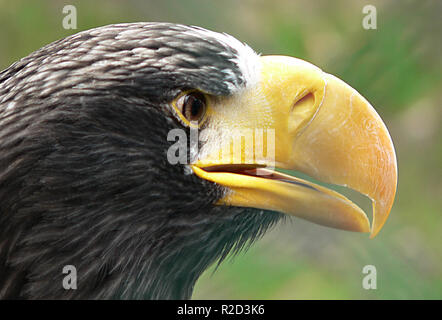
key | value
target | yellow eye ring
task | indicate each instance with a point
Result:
(191, 108)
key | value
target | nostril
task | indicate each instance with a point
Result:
(302, 112)
(305, 102)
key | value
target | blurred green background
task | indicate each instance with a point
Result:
(397, 67)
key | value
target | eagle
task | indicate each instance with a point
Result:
(143, 153)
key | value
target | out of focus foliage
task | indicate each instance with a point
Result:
(397, 67)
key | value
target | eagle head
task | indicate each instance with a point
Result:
(143, 153)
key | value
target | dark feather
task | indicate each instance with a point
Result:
(84, 178)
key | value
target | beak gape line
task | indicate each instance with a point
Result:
(239, 147)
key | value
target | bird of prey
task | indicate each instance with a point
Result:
(89, 125)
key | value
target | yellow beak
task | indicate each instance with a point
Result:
(309, 121)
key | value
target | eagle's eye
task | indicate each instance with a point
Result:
(192, 107)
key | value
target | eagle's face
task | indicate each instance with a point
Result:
(92, 173)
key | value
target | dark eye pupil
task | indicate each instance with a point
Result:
(194, 105)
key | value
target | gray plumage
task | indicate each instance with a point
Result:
(84, 178)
